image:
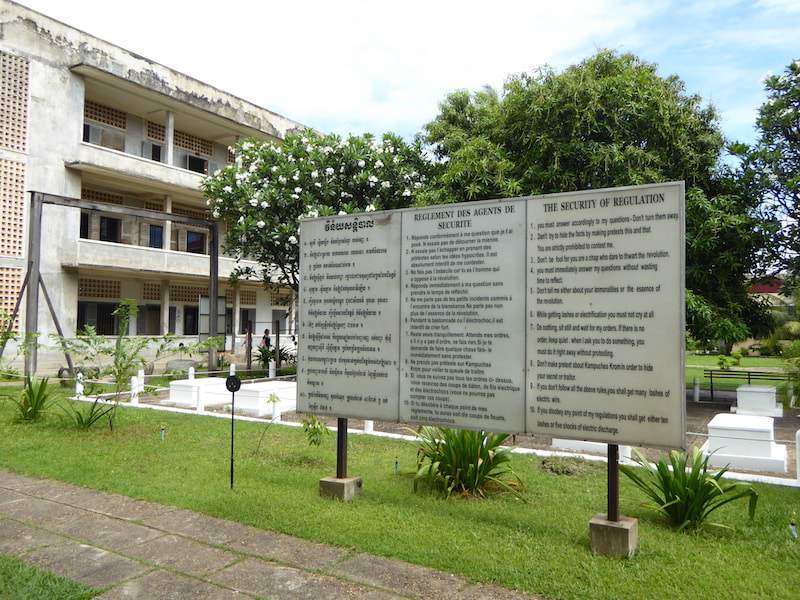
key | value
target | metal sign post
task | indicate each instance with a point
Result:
(233, 383)
(613, 483)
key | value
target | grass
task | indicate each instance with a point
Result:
(541, 546)
(709, 361)
(19, 581)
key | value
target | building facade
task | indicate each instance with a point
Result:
(82, 118)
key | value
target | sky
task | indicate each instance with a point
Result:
(360, 66)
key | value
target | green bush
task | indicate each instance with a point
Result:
(792, 350)
(725, 362)
(464, 462)
(771, 346)
(684, 490)
(736, 357)
(33, 400)
(84, 414)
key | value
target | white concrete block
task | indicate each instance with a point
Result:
(744, 442)
(759, 400)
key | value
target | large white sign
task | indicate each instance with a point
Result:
(560, 315)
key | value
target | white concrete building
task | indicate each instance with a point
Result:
(82, 118)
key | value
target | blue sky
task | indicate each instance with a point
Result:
(355, 66)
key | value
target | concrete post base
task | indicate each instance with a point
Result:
(619, 539)
(344, 489)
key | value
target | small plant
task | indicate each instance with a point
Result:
(557, 465)
(684, 490)
(725, 362)
(736, 357)
(315, 429)
(34, 399)
(465, 462)
(266, 355)
(84, 415)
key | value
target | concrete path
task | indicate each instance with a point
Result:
(136, 549)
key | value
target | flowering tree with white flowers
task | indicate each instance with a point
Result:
(271, 185)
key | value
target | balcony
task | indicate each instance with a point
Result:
(99, 255)
(135, 169)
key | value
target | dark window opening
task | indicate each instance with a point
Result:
(85, 226)
(155, 153)
(156, 238)
(196, 242)
(110, 229)
(228, 321)
(173, 316)
(247, 319)
(190, 318)
(197, 164)
(98, 315)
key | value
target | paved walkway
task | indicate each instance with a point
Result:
(136, 549)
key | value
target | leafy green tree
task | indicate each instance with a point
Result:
(608, 121)
(271, 185)
(771, 168)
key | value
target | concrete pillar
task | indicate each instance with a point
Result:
(369, 426)
(237, 304)
(191, 373)
(167, 224)
(169, 138)
(134, 390)
(696, 389)
(140, 380)
(164, 307)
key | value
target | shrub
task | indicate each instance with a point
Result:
(736, 357)
(684, 490)
(464, 462)
(316, 430)
(84, 414)
(33, 400)
(792, 350)
(725, 362)
(771, 346)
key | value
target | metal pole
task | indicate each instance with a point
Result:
(613, 482)
(341, 448)
(32, 297)
(213, 292)
(58, 326)
(233, 406)
(277, 344)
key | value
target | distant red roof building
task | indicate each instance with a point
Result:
(772, 285)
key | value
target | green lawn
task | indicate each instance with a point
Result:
(540, 546)
(19, 581)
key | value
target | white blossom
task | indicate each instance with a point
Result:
(313, 213)
(370, 207)
(253, 202)
(264, 204)
(373, 179)
(341, 212)
(215, 214)
(295, 196)
(282, 179)
(296, 176)
(317, 184)
(274, 168)
(208, 202)
(385, 185)
(292, 239)
(241, 220)
(297, 190)
(314, 174)
(379, 163)
(227, 189)
(406, 192)
(361, 164)
(329, 171)
(260, 224)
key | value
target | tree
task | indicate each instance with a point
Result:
(771, 168)
(271, 185)
(608, 121)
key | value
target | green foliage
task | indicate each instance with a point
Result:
(86, 414)
(21, 581)
(771, 345)
(792, 350)
(684, 490)
(611, 120)
(270, 186)
(770, 166)
(736, 357)
(464, 462)
(33, 400)
(725, 362)
(265, 355)
(315, 429)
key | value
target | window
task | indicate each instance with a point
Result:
(228, 321)
(148, 319)
(85, 226)
(190, 316)
(173, 316)
(197, 164)
(156, 237)
(151, 151)
(98, 315)
(196, 242)
(110, 229)
(247, 319)
(104, 136)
